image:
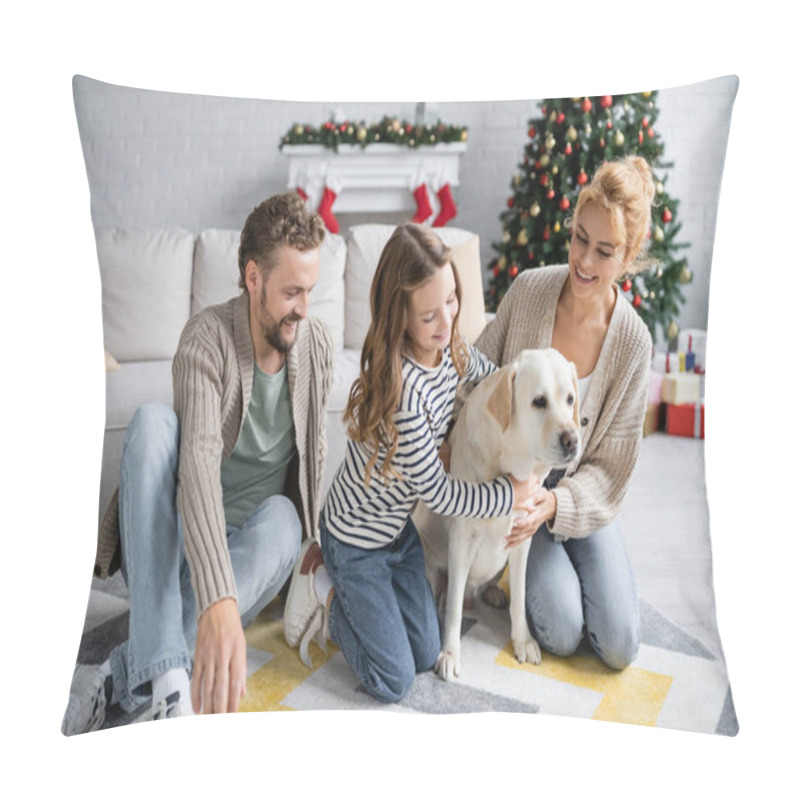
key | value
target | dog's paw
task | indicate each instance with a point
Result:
(527, 650)
(494, 596)
(448, 665)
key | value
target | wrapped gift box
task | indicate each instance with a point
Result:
(681, 387)
(651, 418)
(686, 419)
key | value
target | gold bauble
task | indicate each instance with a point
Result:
(672, 331)
(506, 237)
(658, 234)
(361, 134)
(501, 263)
(463, 136)
(619, 139)
(646, 94)
(572, 134)
(522, 238)
(550, 142)
(298, 129)
(544, 160)
(660, 187)
(686, 275)
(554, 171)
(557, 227)
(535, 210)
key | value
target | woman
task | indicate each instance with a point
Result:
(579, 575)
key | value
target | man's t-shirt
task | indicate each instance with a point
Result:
(256, 469)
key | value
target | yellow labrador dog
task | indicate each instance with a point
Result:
(523, 420)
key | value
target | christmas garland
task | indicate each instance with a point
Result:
(388, 131)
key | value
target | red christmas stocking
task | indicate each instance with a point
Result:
(447, 207)
(302, 193)
(325, 210)
(424, 209)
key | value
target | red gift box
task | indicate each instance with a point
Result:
(686, 419)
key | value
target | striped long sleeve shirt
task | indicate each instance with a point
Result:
(371, 517)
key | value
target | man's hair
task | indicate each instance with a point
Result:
(281, 220)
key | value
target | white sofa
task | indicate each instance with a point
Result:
(153, 280)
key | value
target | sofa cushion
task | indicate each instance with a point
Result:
(146, 276)
(216, 277)
(364, 246)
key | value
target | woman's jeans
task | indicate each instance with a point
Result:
(582, 584)
(163, 627)
(383, 616)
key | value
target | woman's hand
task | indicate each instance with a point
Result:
(543, 509)
(524, 492)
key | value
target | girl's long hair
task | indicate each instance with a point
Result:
(409, 259)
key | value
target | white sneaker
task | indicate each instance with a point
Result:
(168, 707)
(86, 710)
(304, 617)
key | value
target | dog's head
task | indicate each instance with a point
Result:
(535, 401)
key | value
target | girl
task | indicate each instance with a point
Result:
(579, 576)
(371, 593)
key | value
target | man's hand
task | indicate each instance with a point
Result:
(219, 675)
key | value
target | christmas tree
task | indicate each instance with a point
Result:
(565, 145)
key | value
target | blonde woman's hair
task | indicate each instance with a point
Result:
(410, 259)
(625, 190)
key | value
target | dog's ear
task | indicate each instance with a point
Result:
(575, 410)
(501, 400)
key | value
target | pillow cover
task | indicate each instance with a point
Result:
(679, 679)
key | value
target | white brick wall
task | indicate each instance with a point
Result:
(160, 158)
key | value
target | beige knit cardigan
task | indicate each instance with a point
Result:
(212, 375)
(612, 414)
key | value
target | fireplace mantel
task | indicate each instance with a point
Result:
(376, 178)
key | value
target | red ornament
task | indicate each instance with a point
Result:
(582, 178)
(666, 216)
(543, 180)
(586, 105)
(602, 142)
(408, 128)
(564, 204)
(568, 149)
(510, 202)
(496, 271)
(651, 133)
(645, 122)
(609, 124)
(531, 132)
(606, 101)
(560, 117)
(550, 194)
(626, 286)
(641, 136)
(513, 270)
(546, 234)
(637, 301)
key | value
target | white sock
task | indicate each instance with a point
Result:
(322, 584)
(174, 680)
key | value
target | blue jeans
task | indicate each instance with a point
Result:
(383, 616)
(163, 625)
(583, 584)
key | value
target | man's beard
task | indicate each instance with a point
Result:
(272, 329)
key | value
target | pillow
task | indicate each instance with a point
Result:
(146, 276)
(162, 234)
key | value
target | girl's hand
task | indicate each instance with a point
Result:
(543, 502)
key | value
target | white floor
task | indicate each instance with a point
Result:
(665, 524)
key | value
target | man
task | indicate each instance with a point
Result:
(201, 524)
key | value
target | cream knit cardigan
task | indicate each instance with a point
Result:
(212, 376)
(612, 414)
